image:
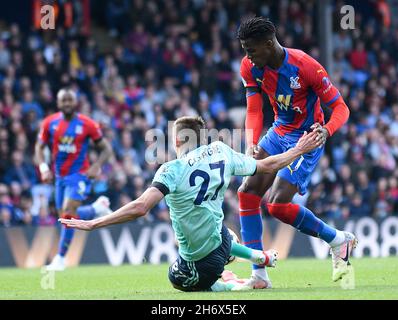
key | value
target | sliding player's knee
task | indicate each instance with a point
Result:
(178, 284)
(178, 287)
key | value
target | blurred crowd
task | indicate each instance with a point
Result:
(175, 58)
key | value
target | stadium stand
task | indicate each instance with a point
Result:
(147, 62)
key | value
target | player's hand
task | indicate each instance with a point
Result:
(323, 133)
(47, 176)
(94, 171)
(309, 142)
(77, 224)
(252, 151)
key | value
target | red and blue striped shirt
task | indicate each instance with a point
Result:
(294, 90)
(69, 141)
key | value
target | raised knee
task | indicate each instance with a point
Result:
(244, 187)
(279, 196)
(249, 187)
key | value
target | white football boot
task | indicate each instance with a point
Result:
(101, 206)
(340, 255)
(270, 258)
(256, 282)
(57, 264)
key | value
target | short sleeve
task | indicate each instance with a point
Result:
(246, 75)
(94, 130)
(318, 79)
(166, 175)
(243, 165)
(44, 133)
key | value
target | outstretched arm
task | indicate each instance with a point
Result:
(307, 142)
(130, 211)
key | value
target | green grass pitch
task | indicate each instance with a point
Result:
(292, 279)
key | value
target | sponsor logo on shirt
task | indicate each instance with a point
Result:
(297, 109)
(283, 101)
(66, 144)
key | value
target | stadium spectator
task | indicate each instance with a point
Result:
(21, 172)
(46, 216)
(117, 16)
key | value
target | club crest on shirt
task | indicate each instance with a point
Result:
(294, 83)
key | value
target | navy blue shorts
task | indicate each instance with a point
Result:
(76, 186)
(202, 274)
(299, 171)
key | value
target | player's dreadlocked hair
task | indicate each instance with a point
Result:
(257, 28)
